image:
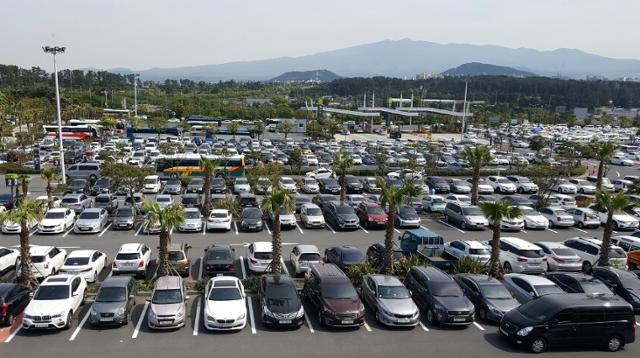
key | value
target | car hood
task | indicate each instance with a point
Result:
(504, 305)
(316, 218)
(623, 217)
(191, 221)
(52, 222)
(283, 306)
(167, 309)
(47, 307)
(87, 222)
(251, 220)
(123, 219)
(403, 306)
(455, 303)
(349, 217)
(108, 306)
(514, 317)
(225, 309)
(476, 218)
(343, 305)
(287, 217)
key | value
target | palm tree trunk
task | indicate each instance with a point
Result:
(474, 185)
(276, 244)
(388, 241)
(600, 175)
(163, 254)
(494, 263)
(49, 201)
(26, 277)
(343, 189)
(206, 189)
(606, 240)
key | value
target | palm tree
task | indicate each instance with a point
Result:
(411, 190)
(391, 198)
(209, 168)
(233, 129)
(272, 203)
(495, 212)
(30, 210)
(602, 151)
(168, 218)
(341, 163)
(611, 203)
(230, 204)
(477, 157)
(49, 175)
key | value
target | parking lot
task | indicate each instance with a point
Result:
(478, 340)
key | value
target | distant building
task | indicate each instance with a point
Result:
(252, 101)
(299, 125)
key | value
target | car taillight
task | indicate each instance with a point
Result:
(87, 269)
(231, 267)
(5, 308)
(113, 264)
(558, 218)
(521, 259)
(46, 265)
(557, 258)
(253, 261)
(141, 263)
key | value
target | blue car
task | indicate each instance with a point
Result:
(368, 160)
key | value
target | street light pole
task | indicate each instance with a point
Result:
(54, 51)
(135, 95)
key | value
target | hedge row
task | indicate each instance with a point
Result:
(16, 168)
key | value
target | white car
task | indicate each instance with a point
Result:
(518, 255)
(468, 248)
(585, 217)
(621, 220)
(56, 202)
(483, 186)
(164, 200)
(589, 248)
(219, 219)
(10, 227)
(320, 173)
(311, 216)
(132, 258)
(583, 186)
(622, 160)
(310, 160)
(533, 219)
(621, 185)
(87, 263)
(560, 257)
(9, 259)
(566, 201)
(501, 185)
(46, 260)
(259, 255)
(514, 224)
(225, 307)
(303, 256)
(557, 216)
(56, 221)
(151, 184)
(192, 220)
(54, 303)
(288, 184)
(458, 199)
(241, 185)
(523, 184)
(91, 220)
(564, 187)
(310, 186)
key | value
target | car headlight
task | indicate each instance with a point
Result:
(525, 331)
(120, 311)
(635, 298)
(259, 222)
(494, 310)
(385, 312)
(266, 311)
(93, 312)
(438, 307)
(210, 318)
(240, 317)
(57, 315)
(300, 312)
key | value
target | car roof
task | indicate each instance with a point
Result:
(191, 209)
(329, 271)
(36, 250)
(57, 210)
(534, 280)
(92, 210)
(81, 253)
(277, 279)
(308, 249)
(168, 283)
(386, 280)
(235, 280)
(130, 247)
(433, 273)
(473, 244)
(116, 281)
(521, 243)
(73, 195)
(580, 300)
(480, 279)
(551, 244)
(57, 279)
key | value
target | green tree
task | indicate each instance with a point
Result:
(158, 124)
(233, 129)
(259, 128)
(537, 143)
(167, 218)
(209, 168)
(295, 158)
(411, 190)
(285, 127)
(314, 129)
(272, 203)
(126, 176)
(29, 211)
(49, 175)
(108, 124)
(391, 198)
(341, 164)
(612, 203)
(495, 212)
(477, 157)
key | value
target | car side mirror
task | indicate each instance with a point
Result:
(75, 294)
(132, 296)
(30, 294)
(532, 294)
(148, 299)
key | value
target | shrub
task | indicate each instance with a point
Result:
(201, 284)
(146, 285)
(16, 168)
(401, 269)
(469, 264)
(251, 284)
(356, 273)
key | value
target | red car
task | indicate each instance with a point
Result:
(371, 215)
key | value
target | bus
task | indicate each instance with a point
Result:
(134, 132)
(185, 165)
(80, 132)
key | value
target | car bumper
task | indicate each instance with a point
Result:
(627, 226)
(190, 228)
(529, 269)
(314, 225)
(218, 226)
(252, 227)
(399, 322)
(446, 318)
(563, 223)
(11, 230)
(85, 230)
(55, 323)
(282, 322)
(342, 322)
(122, 226)
(534, 225)
(97, 320)
(477, 226)
(42, 230)
(344, 226)
(408, 223)
(575, 267)
(512, 227)
(160, 324)
(214, 325)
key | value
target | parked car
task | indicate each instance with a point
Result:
(219, 259)
(501, 185)
(390, 301)
(251, 219)
(9, 259)
(179, 259)
(542, 323)
(330, 292)
(375, 255)
(45, 260)
(151, 184)
(225, 307)
(370, 186)
(439, 296)
(56, 221)
(519, 255)
(560, 257)
(623, 283)
(168, 308)
(528, 287)
(173, 186)
(588, 248)
(219, 219)
(466, 216)
(288, 184)
(77, 202)
(489, 296)
(621, 220)
(523, 184)
(124, 218)
(54, 303)
(280, 305)
(303, 256)
(578, 282)
(533, 219)
(78, 186)
(407, 216)
(14, 298)
(557, 216)
(114, 302)
(459, 249)
(564, 187)
(438, 184)
(341, 216)
(259, 256)
(344, 256)
(87, 263)
(434, 203)
(311, 216)
(107, 202)
(310, 186)
(194, 185)
(132, 258)
(192, 220)
(371, 215)
(583, 186)
(329, 186)
(584, 217)
(91, 220)
(241, 185)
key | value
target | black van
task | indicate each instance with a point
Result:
(573, 319)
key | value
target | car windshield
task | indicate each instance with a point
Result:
(69, 200)
(102, 199)
(79, 182)
(547, 289)
(219, 254)
(124, 213)
(472, 211)
(393, 292)
(225, 294)
(150, 181)
(344, 209)
(503, 180)
(198, 181)
(218, 182)
(52, 292)
(165, 297)
(407, 212)
(112, 294)
(438, 201)
(280, 294)
(338, 291)
(352, 256)
(533, 254)
(524, 180)
(241, 181)
(192, 214)
(76, 261)
(6, 197)
(532, 212)
(174, 182)
(252, 214)
(176, 255)
(314, 212)
(446, 289)
(630, 282)
(163, 199)
(263, 255)
(594, 286)
(495, 292)
(89, 215)
(55, 215)
(127, 256)
(287, 181)
(537, 310)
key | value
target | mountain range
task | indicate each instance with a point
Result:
(306, 76)
(483, 69)
(404, 58)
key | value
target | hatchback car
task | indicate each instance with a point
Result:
(168, 307)
(87, 263)
(589, 248)
(251, 219)
(76, 202)
(434, 203)
(577, 282)
(219, 219)
(114, 302)
(341, 216)
(557, 216)
(132, 258)
(407, 217)
(344, 256)
(311, 216)
(528, 287)
(124, 218)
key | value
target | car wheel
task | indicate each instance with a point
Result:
(8, 320)
(615, 343)
(320, 320)
(482, 314)
(463, 226)
(520, 190)
(538, 345)
(586, 267)
(431, 317)
(507, 267)
(69, 318)
(615, 225)
(580, 224)
(446, 217)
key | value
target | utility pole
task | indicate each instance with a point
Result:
(54, 51)
(464, 110)
(135, 94)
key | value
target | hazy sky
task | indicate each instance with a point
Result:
(140, 34)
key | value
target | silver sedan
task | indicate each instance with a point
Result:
(390, 300)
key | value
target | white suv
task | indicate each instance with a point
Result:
(518, 255)
(259, 256)
(152, 184)
(55, 302)
(501, 185)
(588, 248)
(132, 258)
(9, 258)
(523, 184)
(463, 248)
(302, 256)
(46, 260)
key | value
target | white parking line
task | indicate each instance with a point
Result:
(139, 324)
(139, 229)
(330, 228)
(33, 232)
(67, 233)
(196, 322)
(244, 273)
(105, 230)
(80, 325)
(615, 232)
(361, 228)
(299, 229)
(449, 225)
(396, 230)
(306, 318)
(553, 231)
(253, 323)
(478, 325)
(10, 338)
(366, 326)
(424, 328)
(235, 227)
(204, 229)
(200, 268)
(524, 231)
(267, 227)
(423, 227)
(583, 231)
(638, 324)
